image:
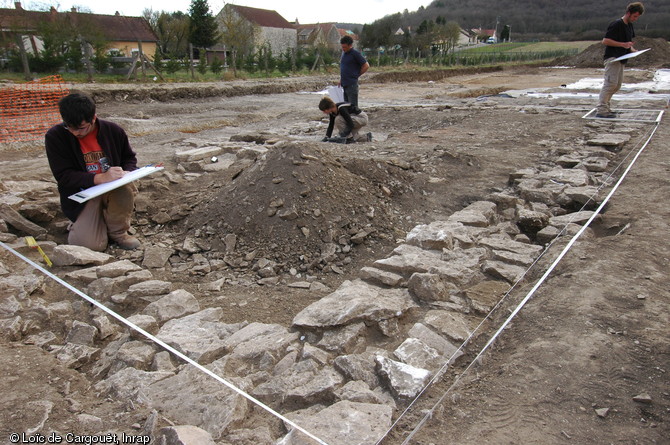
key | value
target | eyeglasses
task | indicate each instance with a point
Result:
(76, 129)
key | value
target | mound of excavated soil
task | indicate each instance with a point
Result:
(592, 57)
(301, 207)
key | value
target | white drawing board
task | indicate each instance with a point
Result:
(100, 189)
(630, 55)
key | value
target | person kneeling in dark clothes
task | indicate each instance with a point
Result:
(346, 119)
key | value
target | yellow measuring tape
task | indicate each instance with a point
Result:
(30, 241)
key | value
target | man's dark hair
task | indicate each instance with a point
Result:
(326, 104)
(635, 7)
(76, 108)
(347, 39)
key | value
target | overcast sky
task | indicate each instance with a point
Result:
(306, 11)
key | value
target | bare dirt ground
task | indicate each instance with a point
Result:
(566, 370)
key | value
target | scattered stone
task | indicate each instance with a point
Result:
(117, 269)
(302, 384)
(145, 322)
(355, 301)
(74, 355)
(162, 362)
(451, 324)
(129, 382)
(300, 284)
(404, 381)
(43, 339)
(507, 272)
(199, 336)
(16, 220)
(547, 235)
(174, 305)
(342, 340)
(358, 391)
(643, 398)
(197, 399)
(378, 276)
(530, 221)
(156, 257)
(410, 259)
(81, 334)
(197, 154)
(90, 423)
(105, 327)
(185, 435)
(602, 412)
(69, 255)
(579, 218)
(149, 288)
(136, 354)
(359, 423)
(430, 287)
(609, 140)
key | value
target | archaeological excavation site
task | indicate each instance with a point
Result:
(492, 267)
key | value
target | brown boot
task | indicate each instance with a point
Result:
(127, 242)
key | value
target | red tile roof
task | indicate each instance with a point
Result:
(113, 27)
(262, 17)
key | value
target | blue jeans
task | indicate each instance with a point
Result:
(351, 94)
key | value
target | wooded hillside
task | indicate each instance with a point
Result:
(544, 19)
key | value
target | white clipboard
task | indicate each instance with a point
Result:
(101, 189)
(336, 93)
(630, 55)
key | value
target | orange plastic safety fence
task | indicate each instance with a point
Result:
(29, 109)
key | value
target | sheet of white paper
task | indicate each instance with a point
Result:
(630, 55)
(100, 189)
(336, 93)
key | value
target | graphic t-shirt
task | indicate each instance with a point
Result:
(94, 157)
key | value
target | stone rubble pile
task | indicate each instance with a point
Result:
(347, 363)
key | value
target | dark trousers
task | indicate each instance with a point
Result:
(351, 94)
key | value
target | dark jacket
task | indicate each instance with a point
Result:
(346, 110)
(67, 161)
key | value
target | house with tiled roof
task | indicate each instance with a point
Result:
(319, 35)
(272, 29)
(120, 32)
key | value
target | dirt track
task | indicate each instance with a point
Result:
(594, 336)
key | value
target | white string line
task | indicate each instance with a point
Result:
(429, 414)
(161, 343)
(488, 316)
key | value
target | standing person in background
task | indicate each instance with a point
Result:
(85, 151)
(352, 66)
(618, 42)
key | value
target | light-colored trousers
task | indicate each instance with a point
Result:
(103, 218)
(360, 120)
(612, 84)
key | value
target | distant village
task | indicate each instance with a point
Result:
(132, 35)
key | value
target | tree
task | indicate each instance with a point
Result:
(426, 35)
(172, 30)
(237, 34)
(452, 33)
(504, 35)
(203, 29)
(381, 32)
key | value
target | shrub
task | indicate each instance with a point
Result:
(217, 65)
(172, 65)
